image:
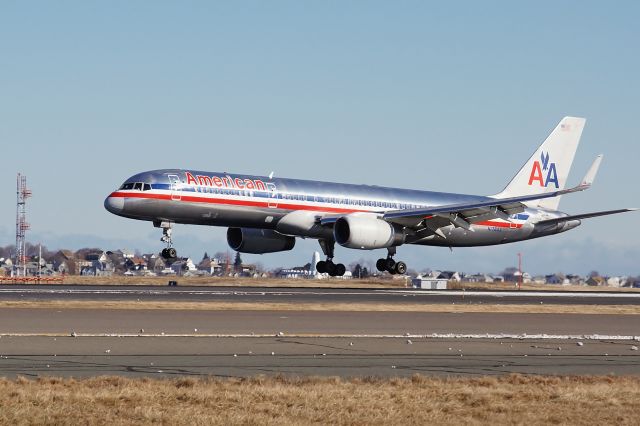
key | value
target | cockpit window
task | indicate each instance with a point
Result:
(138, 186)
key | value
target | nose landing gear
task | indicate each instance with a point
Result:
(327, 266)
(390, 265)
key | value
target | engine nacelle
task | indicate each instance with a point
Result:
(258, 241)
(366, 232)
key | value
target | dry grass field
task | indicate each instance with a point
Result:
(460, 307)
(419, 400)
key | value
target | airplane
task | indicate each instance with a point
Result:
(265, 214)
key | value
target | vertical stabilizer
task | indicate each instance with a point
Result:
(548, 168)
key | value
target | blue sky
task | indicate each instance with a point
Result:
(450, 96)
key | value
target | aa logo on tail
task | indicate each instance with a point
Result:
(544, 172)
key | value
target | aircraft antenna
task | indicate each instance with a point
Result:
(22, 226)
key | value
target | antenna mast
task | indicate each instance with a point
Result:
(21, 225)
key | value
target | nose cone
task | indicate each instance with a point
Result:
(114, 204)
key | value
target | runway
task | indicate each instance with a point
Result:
(241, 357)
(309, 295)
(161, 343)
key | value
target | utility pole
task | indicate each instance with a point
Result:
(39, 261)
(520, 271)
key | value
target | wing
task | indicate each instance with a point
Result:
(464, 214)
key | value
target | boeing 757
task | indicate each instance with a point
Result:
(265, 214)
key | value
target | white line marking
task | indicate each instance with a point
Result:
(486, 336)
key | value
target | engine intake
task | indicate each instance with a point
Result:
(258, 241)
(366, 232)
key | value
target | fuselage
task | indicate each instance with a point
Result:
(237, 200)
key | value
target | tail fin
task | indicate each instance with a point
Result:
(548, 168)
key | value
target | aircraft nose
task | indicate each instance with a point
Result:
(114, 204)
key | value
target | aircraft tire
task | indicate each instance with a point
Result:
(390, 265)
(331, 268)
(340, 270)
(400, 268)
(172, 253)
(381, 265)
(321, 267)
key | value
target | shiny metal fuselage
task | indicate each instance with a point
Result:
(235, 200)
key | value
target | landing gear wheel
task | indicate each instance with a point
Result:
(381, 265)
(390, 265)
(169, 253)
(400, 268)
(340, 270)
(331, 268)
(321, 267)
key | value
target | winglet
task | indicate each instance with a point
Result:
(588, 179)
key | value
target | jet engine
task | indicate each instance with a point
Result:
(366, 232)
(258, 241)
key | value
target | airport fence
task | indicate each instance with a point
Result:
(32, 280)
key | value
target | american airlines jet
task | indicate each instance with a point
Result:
(265, 214)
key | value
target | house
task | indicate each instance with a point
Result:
(155, 263)
(183, 266)
(556, 279)
(210, 266)
(478, 278)
(101, 265)
(617, 281)
(575, 279)
(136, 264)
(596, 281)
(515, 277)
(64, 262)
(539, 279)
(446, 275)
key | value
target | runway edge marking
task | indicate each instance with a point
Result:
(496, 336)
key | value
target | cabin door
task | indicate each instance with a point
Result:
(174, 180)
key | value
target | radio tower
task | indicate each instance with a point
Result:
(21, 225)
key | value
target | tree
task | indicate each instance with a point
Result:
(509, 271)
(237, 262)
(357, 271)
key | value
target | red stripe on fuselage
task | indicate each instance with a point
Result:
(281, 206)
(246, 203)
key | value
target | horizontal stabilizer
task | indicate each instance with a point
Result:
(583, 216)
(593, 171)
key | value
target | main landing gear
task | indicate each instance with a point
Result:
(327, 266)
(390, 265)
(169, 252)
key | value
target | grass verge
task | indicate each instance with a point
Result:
(461, 307)
(513, 399)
